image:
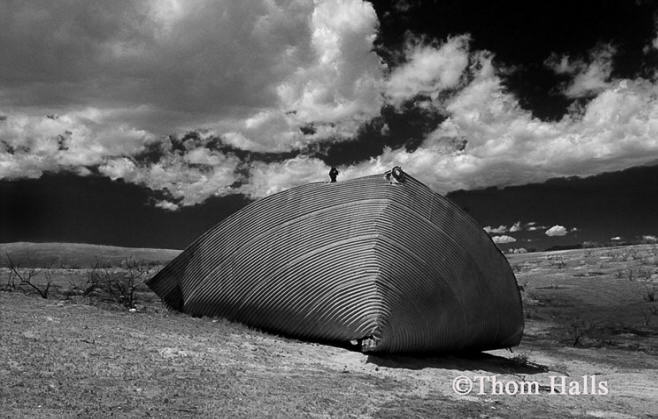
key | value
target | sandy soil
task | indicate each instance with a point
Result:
(589, 313)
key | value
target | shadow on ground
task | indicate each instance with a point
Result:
(476, 361)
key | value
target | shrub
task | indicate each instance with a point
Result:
(119, 284)
(27, 278)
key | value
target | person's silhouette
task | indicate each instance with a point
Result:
(333, 173)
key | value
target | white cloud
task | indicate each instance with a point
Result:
(495, 230)
(508, 146)
(167, 205)
(33, 144)
(343, 80)
(505, 145)
(589, 78)
(336, 89)
(488, 139)
(429, 70)
(189, 183)
(561, 65)
(253, 73)
(516, 227)
(260, 69)
(503, 239)
(121, 168)
(267, 179)
(556, 231)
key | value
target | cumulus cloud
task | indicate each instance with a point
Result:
(342, 81)
(534, 227)
(267, 179)
(507, 145)
(516, 227)
(501, 229)
(589, 78)
(188, 173)
(556, 231)
(117, 76)
(495, 230)
(260, 69)
(269, 76)
(503, 239)
(34, 144)
(429, 69)
(167, 205)
(331, 80)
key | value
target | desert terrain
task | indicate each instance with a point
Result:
(101, 344)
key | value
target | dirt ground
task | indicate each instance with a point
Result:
(591, 318)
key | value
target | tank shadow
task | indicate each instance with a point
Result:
(463, 362)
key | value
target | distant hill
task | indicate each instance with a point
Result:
(79, 255)
(564, 247)
(598, 207)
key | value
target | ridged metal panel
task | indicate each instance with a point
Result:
(392, 264)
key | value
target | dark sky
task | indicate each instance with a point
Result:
(65, 207)
(139, 116)
(69, 208)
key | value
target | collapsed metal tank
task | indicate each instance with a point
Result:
(381, 260)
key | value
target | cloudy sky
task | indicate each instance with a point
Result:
(194, 99)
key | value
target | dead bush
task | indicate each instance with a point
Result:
(25, 279)
(119, 284)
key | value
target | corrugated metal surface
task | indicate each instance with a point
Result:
(392, 264)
